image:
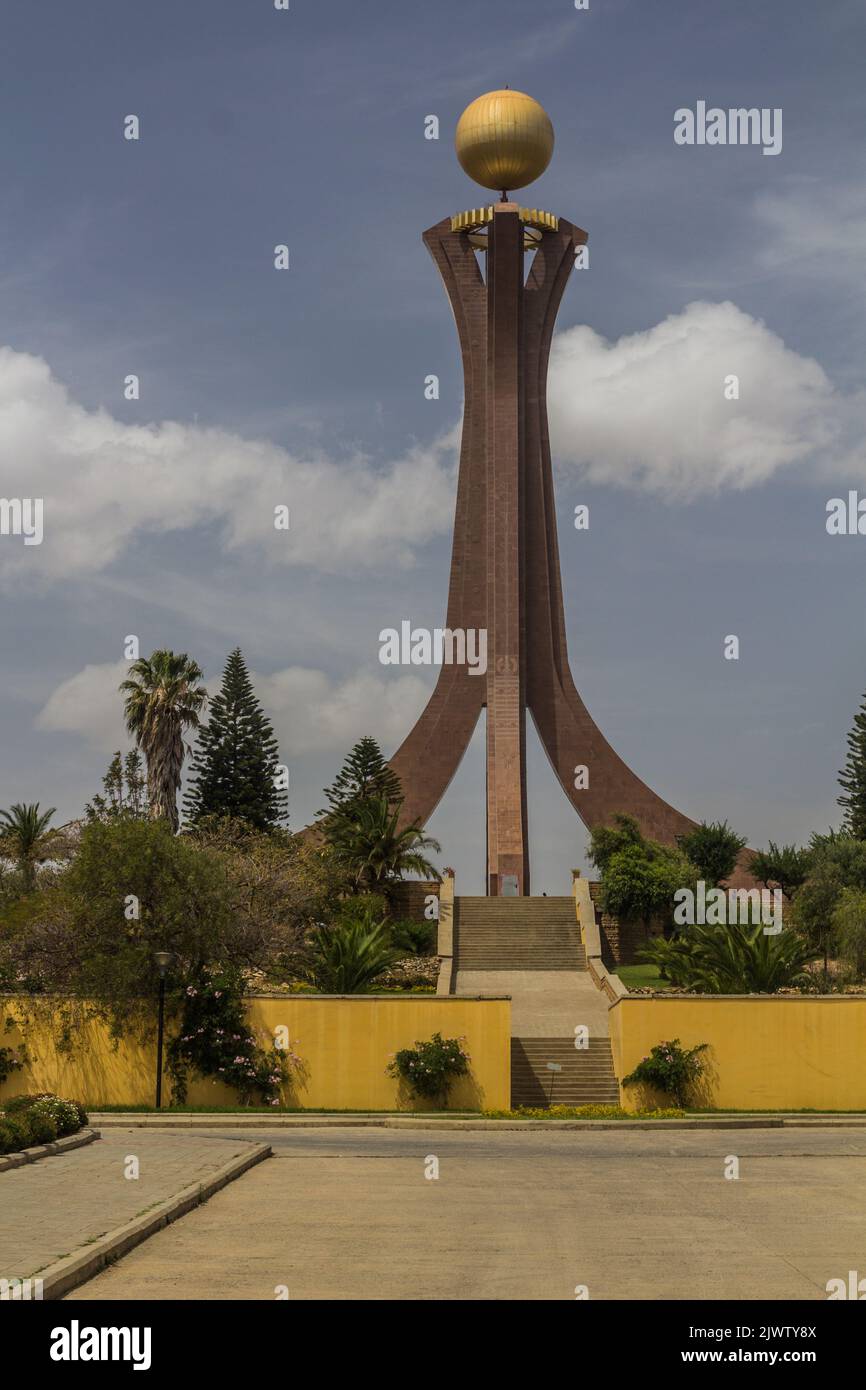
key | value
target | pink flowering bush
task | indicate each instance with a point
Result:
(428, 1068)
(215, 1041)
(671, 1068)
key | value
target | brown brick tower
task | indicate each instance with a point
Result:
(505, 576)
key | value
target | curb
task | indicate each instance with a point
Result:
(66, 1274)
(57, 1146)
(221, 1122)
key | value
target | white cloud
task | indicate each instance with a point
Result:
(649, 410)
(819, 227)
(89, 704)
(105, 482)
(310, 711)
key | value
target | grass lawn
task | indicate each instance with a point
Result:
(642, 977)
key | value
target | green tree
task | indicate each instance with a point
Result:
(836, 862)
(281, 886)
(363, 776)
(852, 778)
(607, 840)
(639, 876)
(373, 849)
(132, 888)
(236, 759)
(640, 887)
(124, 789)
(26, 839)
(163, 699)
(713, 849)
(784, 867)
(849, 925)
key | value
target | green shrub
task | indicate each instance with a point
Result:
(671, 1068)
(44, 1117)
(428, 1068)
(9, 1136)
(349, 955)
(414, 938)
(80, 1112)
(740, 958)
(61, 1113)
(16, 1104)
(41, 1123)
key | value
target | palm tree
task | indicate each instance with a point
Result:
(163, 698)
(25, 837)
(369, 842)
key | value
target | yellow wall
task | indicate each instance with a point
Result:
(764, 1054)
(344, 1043)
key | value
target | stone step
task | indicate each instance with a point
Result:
(497, 961)
(587, 1076)
(508, 904)
(517, 934)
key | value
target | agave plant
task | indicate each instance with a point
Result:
(347, 956)
(739, 958)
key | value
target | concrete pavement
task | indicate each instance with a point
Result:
(544, 1003)
(60, 1205)
(350, 1214)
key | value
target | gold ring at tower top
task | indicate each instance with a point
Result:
(533, 219)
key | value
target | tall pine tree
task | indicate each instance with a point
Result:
(235, 763)
(364, 774)
(852, 779)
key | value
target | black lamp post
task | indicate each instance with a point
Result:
(163, 960)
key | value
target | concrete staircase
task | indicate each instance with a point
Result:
(587, 1077)
(516, 934)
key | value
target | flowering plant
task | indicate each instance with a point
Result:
(215, 1040)
(671, 1068)
(428, 1068)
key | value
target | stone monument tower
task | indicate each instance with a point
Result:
(505, 575)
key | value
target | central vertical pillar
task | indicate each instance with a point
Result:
(507, 841)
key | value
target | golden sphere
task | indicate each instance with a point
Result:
(504, 140)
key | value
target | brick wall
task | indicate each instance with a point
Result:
(620, 940)
(410, 899)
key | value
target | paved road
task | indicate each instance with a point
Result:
(55, 1206)
(349, 1214)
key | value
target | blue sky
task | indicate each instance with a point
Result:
(306, 387)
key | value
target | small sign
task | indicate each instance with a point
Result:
(554, 1066)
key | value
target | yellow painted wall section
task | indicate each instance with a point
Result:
(344, 1043)
(778, 1053)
